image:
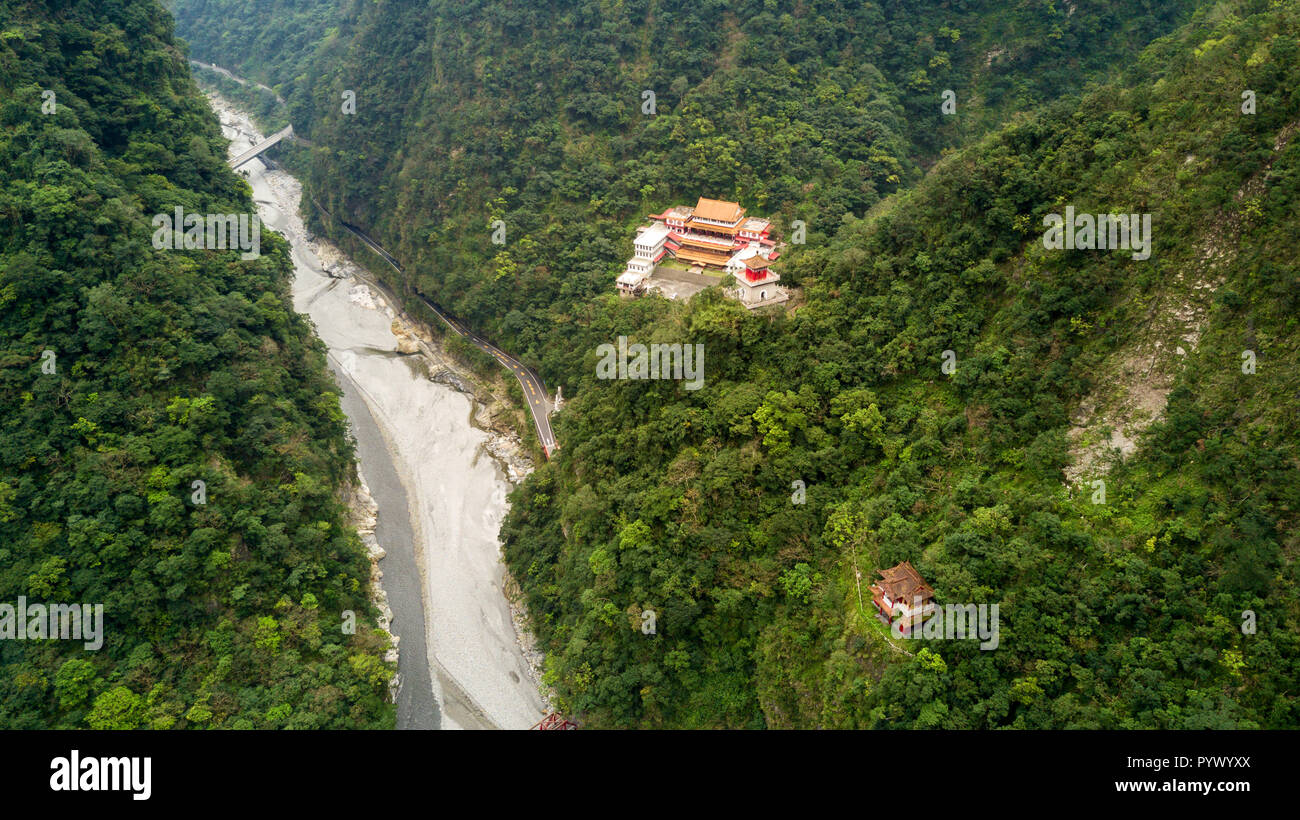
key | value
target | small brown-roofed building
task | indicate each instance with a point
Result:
(902, 594)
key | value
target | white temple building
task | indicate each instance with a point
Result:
(650, 247)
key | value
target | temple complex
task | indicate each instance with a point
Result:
(711, 232)
(715, 235)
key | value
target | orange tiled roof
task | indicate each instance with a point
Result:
(719, 210)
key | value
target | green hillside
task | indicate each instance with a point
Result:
(129, 373)
(1126, 613)
(1122, 614)
(532, 113)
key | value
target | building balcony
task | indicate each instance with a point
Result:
(720, 242)
(717, 257)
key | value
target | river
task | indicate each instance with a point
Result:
(440, 491)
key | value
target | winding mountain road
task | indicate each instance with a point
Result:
(534, 389)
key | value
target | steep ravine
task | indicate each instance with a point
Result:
(438, 479)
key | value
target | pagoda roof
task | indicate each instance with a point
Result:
(719, 210)
(903, 582)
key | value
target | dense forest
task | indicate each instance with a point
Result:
(1119, 610)
(532, 113)
(171, 443)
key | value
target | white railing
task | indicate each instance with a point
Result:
(711, 240)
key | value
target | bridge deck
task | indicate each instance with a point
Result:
(270, 141)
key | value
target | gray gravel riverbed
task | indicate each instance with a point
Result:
(441, 495)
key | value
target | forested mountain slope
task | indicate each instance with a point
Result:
(129, 373)
(532, 113)
(1126, 613)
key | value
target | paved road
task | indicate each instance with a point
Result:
(238, 79)
(539, 402)
(534, 389)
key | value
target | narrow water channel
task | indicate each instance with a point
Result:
(441, 495)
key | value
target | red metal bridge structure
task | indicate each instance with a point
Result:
(555, 722)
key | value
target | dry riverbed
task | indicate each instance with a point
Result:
(438, 463)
